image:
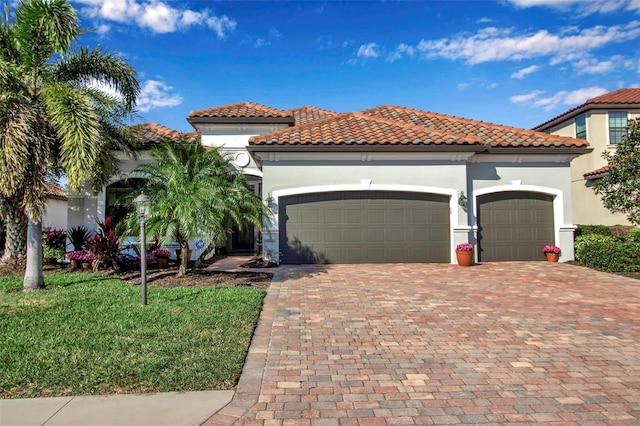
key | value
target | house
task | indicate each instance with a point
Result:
(602, 121)
(387, 184)
(394, 184)
(55, 209)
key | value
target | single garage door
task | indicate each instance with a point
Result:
(514, 226)
(364, 227)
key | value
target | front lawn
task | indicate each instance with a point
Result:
(89, 334)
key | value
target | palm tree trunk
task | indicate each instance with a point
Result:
(33, 276)
(184, 258)
(16, 224)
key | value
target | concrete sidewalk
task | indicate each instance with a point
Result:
(159, 409)
(170, 409)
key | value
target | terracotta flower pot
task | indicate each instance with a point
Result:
(552, 257)
(86, 266)
(465, 258)
(162, 262)
(73, 264)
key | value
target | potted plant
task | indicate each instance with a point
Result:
(552, 253)
(162, 256)
(464, 254)
(79, 257)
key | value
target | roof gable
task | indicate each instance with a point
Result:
(495, 135)
(359, 129)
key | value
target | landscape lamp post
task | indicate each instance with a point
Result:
(142, 204)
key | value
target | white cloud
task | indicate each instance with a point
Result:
(573, 98)
(262, 42)
(580, 7)
(401, 51)
(156, 94)
(519, 99)
(493, 44)
(369, 50)
(155, 15)
(484, 20)
(103, 29)
(522, 73)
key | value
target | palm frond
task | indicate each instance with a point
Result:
(76, 124)
(87, 66)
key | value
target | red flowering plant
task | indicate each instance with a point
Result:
(464, 247)
(105, 244)
(551, 249)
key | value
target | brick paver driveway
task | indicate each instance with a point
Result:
(440, 344)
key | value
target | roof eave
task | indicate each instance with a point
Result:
(537, 149)
(364, 148)
(579, 111)
(236, 120)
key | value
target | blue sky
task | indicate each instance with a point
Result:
(513, 62)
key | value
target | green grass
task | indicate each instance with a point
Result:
(87, 334)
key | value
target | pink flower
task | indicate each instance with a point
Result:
(464, 247)
(551, 249)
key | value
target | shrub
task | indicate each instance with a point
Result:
(608, 253)
(634, 235)
(78, 235)
(592, 229)
(105, 244)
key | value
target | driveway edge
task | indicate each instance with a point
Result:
(250, 382)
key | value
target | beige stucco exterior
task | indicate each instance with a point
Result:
(586, 204)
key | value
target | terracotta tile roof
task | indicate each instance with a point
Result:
(360, 129)
(242, 110)
(621, 97)
(152, 133)
(493, 134)
(55, 191)
(307, 114)
(597, 173)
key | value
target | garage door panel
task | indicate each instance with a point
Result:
(385, 227)
(514, 225)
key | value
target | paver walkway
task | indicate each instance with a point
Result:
(440, 344)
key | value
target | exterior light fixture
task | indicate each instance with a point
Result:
(462, 200)
(142, 203)
(270, 200)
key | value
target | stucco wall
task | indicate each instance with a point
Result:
(289, 176)
(55, 214)
(586, 205)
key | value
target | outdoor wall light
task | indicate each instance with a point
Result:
(462, 200)
(142, 204)
(270, 200)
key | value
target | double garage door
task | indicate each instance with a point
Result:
(381, 227)
(364, 227)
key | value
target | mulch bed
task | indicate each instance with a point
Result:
(166, 278)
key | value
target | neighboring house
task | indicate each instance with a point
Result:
(388, 184)
(602, 121)
(55, 213)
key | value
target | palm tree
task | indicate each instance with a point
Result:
(194, 192)
(53, 120)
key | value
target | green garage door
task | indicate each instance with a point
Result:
(364, 227)
(514, 225)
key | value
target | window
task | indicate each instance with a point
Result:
(581, 127)
(617, 126)
(116, 200)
